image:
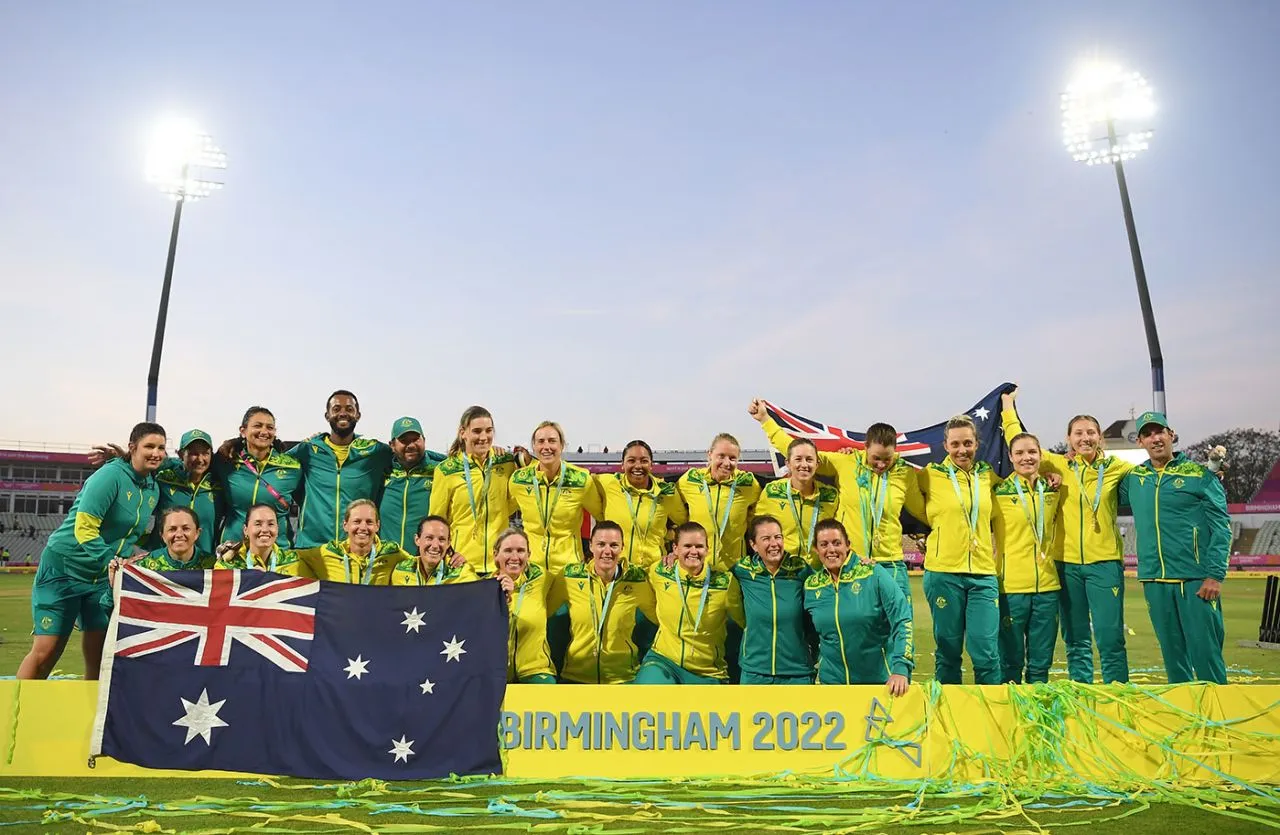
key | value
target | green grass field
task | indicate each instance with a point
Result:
(786, 805)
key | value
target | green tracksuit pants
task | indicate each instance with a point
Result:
(1028, 633)
(658, 669)
(898, 569)
(966, 615)
(1093, 593)
(757, 678)
(1189, 630)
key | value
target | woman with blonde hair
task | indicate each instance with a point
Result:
(1087, 546)
(551, 494)
(528, 655)
(469, 490)
(361, 557)
(720, 498)
(959, 568)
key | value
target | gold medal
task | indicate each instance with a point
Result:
(975, 543)
(1097, 526)
(1043, 556)
(875, 542)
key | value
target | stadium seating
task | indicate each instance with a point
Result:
(1268, 539)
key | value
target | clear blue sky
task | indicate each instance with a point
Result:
(632, 217)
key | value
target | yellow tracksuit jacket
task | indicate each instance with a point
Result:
(696, 645)
(528, 653)
(601, 621)
(720, 507)
(953, 547)
(334, 561)
(1077, 539)
(411, 572)
(643, 515)
(552, 512)
(798, 515)
(472, 496)
(1022, 566)
(860, 495)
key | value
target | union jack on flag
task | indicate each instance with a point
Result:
(268, 614)
(919, 446)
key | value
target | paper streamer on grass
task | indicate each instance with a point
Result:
(1022, 792)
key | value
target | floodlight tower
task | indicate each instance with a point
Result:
(180, 162)
(1104, 113)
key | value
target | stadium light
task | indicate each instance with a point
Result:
(1104, 121)
(181, 162)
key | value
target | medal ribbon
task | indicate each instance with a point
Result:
(873, 510)
(974, 482)
(634, 509)
(807, 544)
(1097, 493)
(546, 510)
(711, 513)
(365, 579)
(702, 603)
(601, 617)
(1036, 522)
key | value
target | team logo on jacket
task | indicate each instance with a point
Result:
(1177, 483)
(1115, 591)
(941, 602)
(128, 495)
(152, 501)
(857, 587)
(582, 584)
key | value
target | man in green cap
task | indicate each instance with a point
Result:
(188, 481)
(406, 494)
(1184, 539)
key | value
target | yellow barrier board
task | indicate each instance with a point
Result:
(1114, 736)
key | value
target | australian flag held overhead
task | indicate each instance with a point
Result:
(257, 672)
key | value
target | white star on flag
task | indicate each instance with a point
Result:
(413, 620)
(453, 650)
(402, 748)
(201, 717)
(356, 668)
(428, 686)
(981, 412)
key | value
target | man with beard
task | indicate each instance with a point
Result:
(406, 493)
(1184, 539)
(338, 467)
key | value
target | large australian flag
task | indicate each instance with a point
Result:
(258, 672)
(917, 447)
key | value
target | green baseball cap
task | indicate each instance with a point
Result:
(194, 435)
(1152, 419)
(406, 424)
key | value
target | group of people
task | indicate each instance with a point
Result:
(669, 591)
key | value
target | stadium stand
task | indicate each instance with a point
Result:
(1269, 491)
(1268, 539)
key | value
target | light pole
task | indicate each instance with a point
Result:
(176, 160)
(1101, 97)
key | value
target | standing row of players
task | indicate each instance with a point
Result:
(1056, 545)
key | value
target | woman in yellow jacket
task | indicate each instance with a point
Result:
(361, 557)
(1025, 516)
(259, 546)
(641, 504)
(469, 490)
(528, 656)
(875, 486)
(1088, 547)
(551, 495)
(799, 502)
(694, 604)
(720, 497)
(604, 596)
(959, 569)
(437, 564)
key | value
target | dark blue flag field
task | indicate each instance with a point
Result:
(258, 672)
